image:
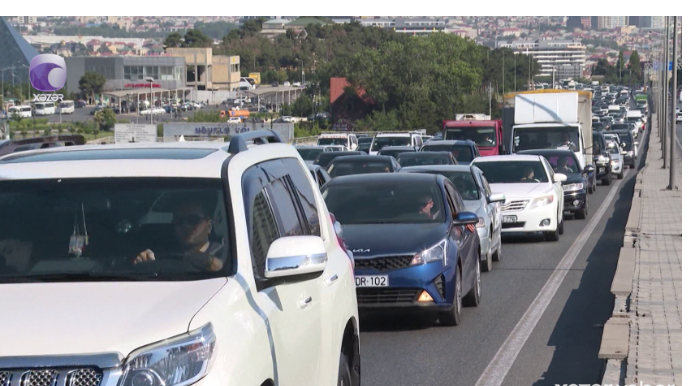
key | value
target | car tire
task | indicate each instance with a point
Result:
(607, 181)
(475, 296)
(451, 317)
(620, 175)
(632, 166)
(590, 189)
(486, 264)
(344, 375)
(581, 214)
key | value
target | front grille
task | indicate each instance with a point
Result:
(513, 225)
(514, 205)
(51, 377)
(384, 263)
(440, 283)
(386, 295)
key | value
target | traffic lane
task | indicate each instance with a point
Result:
(409, 351)
(563, 348)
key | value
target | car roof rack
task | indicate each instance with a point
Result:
(238, 142)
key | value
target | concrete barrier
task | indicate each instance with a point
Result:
(622, 280)
(614, 340)
(633, 224)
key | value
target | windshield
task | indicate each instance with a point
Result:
(109, 224)
(357, 167)
(331, 141)
(309, 154)
(66, 104)
(463, 181)
(613, 149)
(547, 138)
(563, 163)
(513, 172)
(620, 126)
(380, 142)
(634, 119)
(597, 126)
(625, 138)
(413, 160)
(39, 106)
(482, 136)
(382, 203)
(462, 153)
(598, 144)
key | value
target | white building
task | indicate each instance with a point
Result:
(566, 57)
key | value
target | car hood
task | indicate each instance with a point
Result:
(474, 206)
(573, 178)
(87, 318)
(391, 239)
(521, 190)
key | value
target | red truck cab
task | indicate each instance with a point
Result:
(487, 133)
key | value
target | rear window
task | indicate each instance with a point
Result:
(309, 154)
(348, 168)
(420, 161)
(462, 153)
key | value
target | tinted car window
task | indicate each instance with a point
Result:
(421, 160)
(380, 142)
(463, 182)
(386, 202)
(305, 195)
(283, 205)
(462, 153)
(563, 163)
(358, 167)
(264, 232)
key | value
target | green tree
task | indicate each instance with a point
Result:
(196, 38)
(91, 83)
(105, 119)
(302, 106)
(634, 69)
(173, 40)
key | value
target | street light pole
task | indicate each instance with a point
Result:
(664, 97)
(150, 80)
(672, 160)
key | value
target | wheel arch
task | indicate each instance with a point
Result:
(268, 382)
(350, 347)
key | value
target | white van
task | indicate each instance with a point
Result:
(23, 111)
(347, 140)
(66, 107)
(44, 108)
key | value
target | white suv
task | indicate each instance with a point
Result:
(171, 264)
(381, 140)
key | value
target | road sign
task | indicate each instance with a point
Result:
(126, 133)
(670, 66)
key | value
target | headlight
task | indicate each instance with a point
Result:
(481, 223)
(603, 160)
(615, 161)
(572, 187)
(437, 252)
(177, 361)
(541, 201)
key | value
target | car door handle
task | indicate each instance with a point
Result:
(332, 279)
(305, 302)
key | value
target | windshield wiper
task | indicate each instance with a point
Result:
(79, 276)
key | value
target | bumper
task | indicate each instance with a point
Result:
(603, 170)
(528, 220)
(617, 167)
(574, 200)
(405, 287)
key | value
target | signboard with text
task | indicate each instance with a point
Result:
(132, 133)
(210, 129)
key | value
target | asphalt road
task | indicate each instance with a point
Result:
(562, 347)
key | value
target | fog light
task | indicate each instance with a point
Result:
(576, 202)
(545, 223)
(425, 297)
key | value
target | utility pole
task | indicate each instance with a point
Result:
(504, 73)
(664, 96)
(672, 178)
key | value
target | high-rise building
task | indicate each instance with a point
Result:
(634, 20)
(565, 57)
(658, 22)
(16, 53)
(609, 22)
(586, 22)
(574, 22)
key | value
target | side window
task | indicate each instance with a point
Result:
(264, 232)
(486, 186)
(549, 169)
(457, 205)
(285, 208)
(304, 195)
(320, 178)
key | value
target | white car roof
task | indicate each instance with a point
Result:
(131, 160)
(507, 158)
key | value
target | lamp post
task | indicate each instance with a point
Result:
(150, 80)
(302, 61)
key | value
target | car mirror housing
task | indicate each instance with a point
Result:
(559, 177)
(295, 255)
(497, 197)
(465, 218)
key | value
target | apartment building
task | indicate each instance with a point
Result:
(565, 57)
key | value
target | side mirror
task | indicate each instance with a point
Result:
(295, 255)
(623, 144)
(559, 177)
(636, 143)
(589, 169)
(497, 197)
(464, 218)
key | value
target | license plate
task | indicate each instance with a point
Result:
(509, 219)
(600, 170)
(371, 281)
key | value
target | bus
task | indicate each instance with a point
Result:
(44, 108)
(66, 107)
(22, 111)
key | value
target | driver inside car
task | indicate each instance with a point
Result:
(193, 224)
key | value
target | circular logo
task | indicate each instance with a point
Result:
(48, 72)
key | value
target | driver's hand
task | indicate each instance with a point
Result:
(147, 255)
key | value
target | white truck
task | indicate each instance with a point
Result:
(349, 140)
(551, 119)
